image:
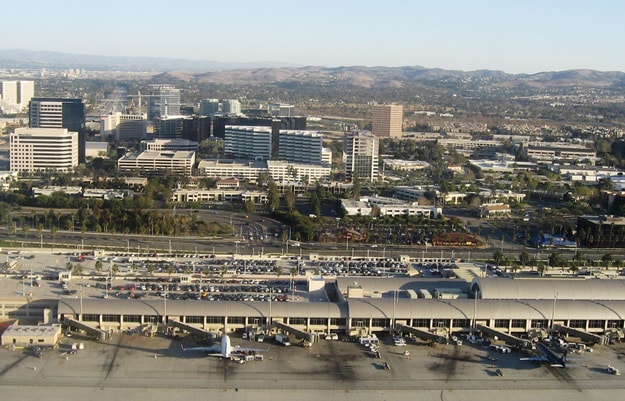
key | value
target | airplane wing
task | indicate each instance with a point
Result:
(213, 348)
(242, 350)
(535, 359)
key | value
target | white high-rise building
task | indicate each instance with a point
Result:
(361, 149)
(249, 142)
(124, 126)
(25, 92)
(8, 90)
(15, 95)
(163, 100)
(300, 146)
(43, 149)
(231, 106)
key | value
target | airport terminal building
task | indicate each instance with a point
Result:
(370, 305)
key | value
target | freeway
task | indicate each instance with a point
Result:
(241, 245)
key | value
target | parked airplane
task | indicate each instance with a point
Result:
(224, 349)
(546, 354)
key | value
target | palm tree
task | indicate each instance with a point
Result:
(498, 257)
(607, 260)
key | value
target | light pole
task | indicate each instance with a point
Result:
(127, 246)
(81, 293)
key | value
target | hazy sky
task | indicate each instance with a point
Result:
(512, 36)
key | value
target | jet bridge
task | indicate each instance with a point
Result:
(508, 338)
(583, 335)
(423, 334)
(100, 335)
(201, 334)
(300, 334)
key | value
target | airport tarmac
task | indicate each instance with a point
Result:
(137, 367)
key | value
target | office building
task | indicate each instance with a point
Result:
(209, 107)
(231, 106)
(169, 144)
(15, 95)
(124, 127)
(151, 163)
(361, 149)
(276, 124)
(246, 142)
(193, 128)
(387, 121)
(300, 146)
(60, 113)
(43, 149)
(281, 110)
(163, 100)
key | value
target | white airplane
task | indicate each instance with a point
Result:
(224, 349)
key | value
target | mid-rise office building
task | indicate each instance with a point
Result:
(300, 146)
(231, 106)
(169, 144)
(276, 124)
(247, 142)
(60, 113)
(43, 149)
(209, 107)
(387, 121)
(124, 127)
(281, 110)
(152, 163)
(193, 128)
(361, 149)
(163, 100)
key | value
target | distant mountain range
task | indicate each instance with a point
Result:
(18, 58)
(167, 69)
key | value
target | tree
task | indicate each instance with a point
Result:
(356, 186)
(114, 269)
(69, 266)
(607, 260)
(98, 266)
(289, 198)
(151, 268)
(279, 271)
(170, 269)
(498, 257)
(555, 259)
(315, 204)
(273, 198)
(78, 269)
(578, 259)
(524, 258)
(250, 207)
